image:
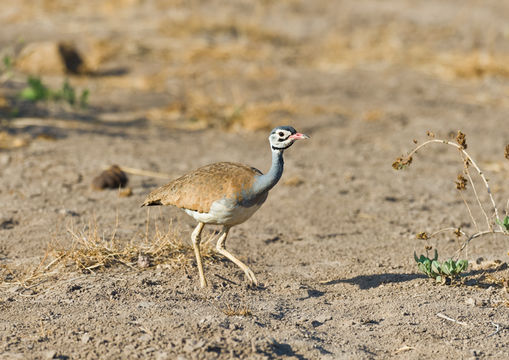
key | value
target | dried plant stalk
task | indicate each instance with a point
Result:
(461, 148)
(461, 184)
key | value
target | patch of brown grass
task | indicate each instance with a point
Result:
(236, 310)
(91, 251)
(403, 44)
(198, 111)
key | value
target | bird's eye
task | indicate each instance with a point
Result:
(281, 134)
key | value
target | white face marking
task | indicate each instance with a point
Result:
(280, 139)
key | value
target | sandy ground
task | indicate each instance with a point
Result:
(174, 86)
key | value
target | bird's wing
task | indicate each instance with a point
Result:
(198, 189)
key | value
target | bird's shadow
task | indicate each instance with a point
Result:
(372, 281)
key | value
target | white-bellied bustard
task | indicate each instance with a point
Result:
(225, 194)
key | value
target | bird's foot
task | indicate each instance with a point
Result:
(251, 278)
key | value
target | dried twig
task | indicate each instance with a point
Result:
(142, 172)
(404, 348)
(445, 317)
(479, 234)
(497, 329)
(473, 163)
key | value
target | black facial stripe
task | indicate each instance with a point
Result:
(280, 148)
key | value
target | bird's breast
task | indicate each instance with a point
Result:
(227, 212)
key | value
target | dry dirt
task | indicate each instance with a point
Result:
(175, 85)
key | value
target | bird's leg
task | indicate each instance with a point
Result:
(196, 238)
(221, 249)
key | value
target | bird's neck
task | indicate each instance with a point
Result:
(267, 181)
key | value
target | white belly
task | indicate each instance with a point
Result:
(222, 212)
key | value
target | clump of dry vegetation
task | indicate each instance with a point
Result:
(92, 251)
(494, 223)
(237, 310)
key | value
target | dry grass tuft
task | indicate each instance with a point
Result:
(92, 251)
(231, 310)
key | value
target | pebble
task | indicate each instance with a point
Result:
(7, 223)
(68, 212)
(323, 318)
(145, 304)
(145, 337)
(161, 355)
(85, 338)
(143, 261)
(470, 301)
(49, 354)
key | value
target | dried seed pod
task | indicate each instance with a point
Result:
(112, 178)
(401, 163)
(461, 140)
(422, 236)
(457, 232)
(430, 134)
(461, 184)
(506, 154)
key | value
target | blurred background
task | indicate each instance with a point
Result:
(245, 65)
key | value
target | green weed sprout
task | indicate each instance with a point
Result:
(504, 223)
(441, 272)
(36, 91)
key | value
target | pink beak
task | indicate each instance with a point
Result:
(299, 136)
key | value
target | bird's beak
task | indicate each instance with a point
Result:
(299, 136)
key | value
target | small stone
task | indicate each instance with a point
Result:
(145, 337)
(470, 301)
(85, 338)
(161, 355)
(8, 223)
(68, 212)
(48, 57)
(112, 178)
(145, 304)
(49, 354)
(143, 261)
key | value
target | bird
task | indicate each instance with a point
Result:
(227, 194)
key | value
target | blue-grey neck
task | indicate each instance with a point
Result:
(264, 183)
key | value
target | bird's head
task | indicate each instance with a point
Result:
(282, 137)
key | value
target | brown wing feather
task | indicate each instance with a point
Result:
(198, 189)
